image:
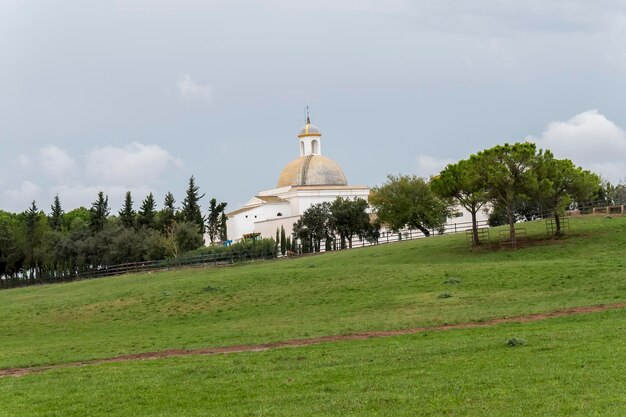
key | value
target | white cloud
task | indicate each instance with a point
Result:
(428, 165)
(72, 196)
(590, 140)
(133, 165)
(188, 88)
(114, 170)
(22, 196)
(56, 162)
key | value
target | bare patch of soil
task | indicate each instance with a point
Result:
(17, 372)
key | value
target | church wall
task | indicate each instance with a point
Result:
(268, 228)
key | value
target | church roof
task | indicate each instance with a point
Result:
(242, 210)
(312, 170)
(309, 129)
(271, 199)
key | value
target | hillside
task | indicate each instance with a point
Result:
(387, 287)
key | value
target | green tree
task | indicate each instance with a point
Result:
(283, 242)
(408, 201)
(510, 176)
(187, 237)
(167, 215)
(223, 230)
(560, 183)
(32, 235)
(214, 223)
(56, 215)
(127, 214)
(99, 212)
(190, 210)
(147, 212)
(277, 240)
(313, 226)
(464, 183)
(349, 218)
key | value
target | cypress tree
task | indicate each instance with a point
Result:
(168, 214)
(191, 206)
(99, 212)
(127, 214)
(147, 212)
(56, 216)
(223, 227)
(214, 223)
(283, 243)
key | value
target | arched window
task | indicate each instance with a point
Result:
(279, 214)
(315, 145)
(301, 148)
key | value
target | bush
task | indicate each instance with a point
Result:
(513, 342)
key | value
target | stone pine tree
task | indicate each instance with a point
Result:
(464, 183)
(510, 176)
(99, 212)
(147, 212)
(283, 241)
(560, 183)
(127, 213)
(214, 223)
(56, 214)
(190, 210)
(168, 213)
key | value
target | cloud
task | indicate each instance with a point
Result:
(114, 170)
(590, 140)
(56, 162)
(72, 196)
(305, 6)
(23, 195)
(188, 88)
(133, 165)
(428, 165)
(482, 16)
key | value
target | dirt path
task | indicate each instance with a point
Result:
(311, 341)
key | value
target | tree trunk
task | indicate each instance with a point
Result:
(475, 228)
(509, 213)
(423, 230)
(557, 220)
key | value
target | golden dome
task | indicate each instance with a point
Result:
(312, 170)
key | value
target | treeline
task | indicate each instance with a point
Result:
(510, 181)
(35, 246)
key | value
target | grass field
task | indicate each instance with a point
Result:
(571, 366)
(379, 288)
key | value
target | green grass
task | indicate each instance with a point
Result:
(569, 366)
(379, 288)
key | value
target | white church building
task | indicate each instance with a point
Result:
(309, 179)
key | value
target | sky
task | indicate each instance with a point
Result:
(141, 94)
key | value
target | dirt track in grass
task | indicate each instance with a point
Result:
(17, 372)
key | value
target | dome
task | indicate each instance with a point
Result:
(312, 170)
(309, 129)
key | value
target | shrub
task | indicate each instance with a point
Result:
(513, 342)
